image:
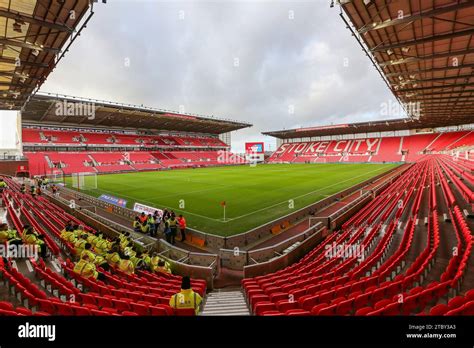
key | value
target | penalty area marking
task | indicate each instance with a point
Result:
(303, 195)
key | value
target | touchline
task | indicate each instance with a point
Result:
(37, 331)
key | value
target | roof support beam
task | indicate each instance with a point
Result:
(16, 85)
(422, 95)
(423, 40)
(415, 17)
(431, 56)
(446, 103)
(466, 77)
(23, 63)
(422, 71)
(444, 99)
(16, 74)
(436, 87)
(27, 45)
(27, 19)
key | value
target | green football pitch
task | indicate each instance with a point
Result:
(253, 195)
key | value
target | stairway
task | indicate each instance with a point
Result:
(225, 302)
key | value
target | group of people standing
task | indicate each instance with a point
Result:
(165, 222)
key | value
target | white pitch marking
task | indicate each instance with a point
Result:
(29, 266)
(55, 265)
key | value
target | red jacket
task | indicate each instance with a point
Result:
(182, 222)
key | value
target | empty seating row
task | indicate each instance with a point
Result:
(387, 149)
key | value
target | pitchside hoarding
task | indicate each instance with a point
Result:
(254, 148)
(114, 200)
(254, 152)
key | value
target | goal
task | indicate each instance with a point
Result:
(55, 177)
(84, 181)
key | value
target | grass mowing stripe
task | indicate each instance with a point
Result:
(254, 195)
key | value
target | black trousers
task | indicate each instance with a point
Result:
(173, 235)
(183, 234)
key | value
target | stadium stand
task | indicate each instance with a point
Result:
(176, 152)
(386, 149)
(50, 291)
(324, 284)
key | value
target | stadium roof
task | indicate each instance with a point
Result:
(349, 128)
(62, 110)
(34, 36)
(424, 50)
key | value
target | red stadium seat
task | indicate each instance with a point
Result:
(439, 309)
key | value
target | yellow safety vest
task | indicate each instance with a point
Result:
(4, 236)
(101, 246)
(113, 259)
(30, 239)
(86, 269)
(130, 252)
(126, 266)
(164, 269)
(147, 260)
(186, 299)
(79, 246)
(90, 255)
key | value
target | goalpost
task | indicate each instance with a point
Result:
(55, 177)
(84, 181)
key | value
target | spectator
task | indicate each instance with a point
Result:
(150, 225)
(88, 252)
(79, 245)
(33, 191)
(143, 218)
(3, 185)
(157, 217)
(126, 265)
(137, 225)
(186, 298)
(163, 267)
(31, 237)
(113, 257)
(23, 188)
(4, 233)
(182, 227)
(167, 231)
(173, 223)
(86, 268)
(69, 226)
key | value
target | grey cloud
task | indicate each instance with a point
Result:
(190, 62)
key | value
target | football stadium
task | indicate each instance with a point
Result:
(108, 208)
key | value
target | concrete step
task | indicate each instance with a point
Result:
(225, 303)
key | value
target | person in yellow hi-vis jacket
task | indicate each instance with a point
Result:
(86, 268)
(186, 298)
(126, 265)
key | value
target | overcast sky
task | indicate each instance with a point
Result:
(276, 64)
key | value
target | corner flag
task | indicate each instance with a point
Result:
(223, 205)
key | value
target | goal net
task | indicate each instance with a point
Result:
(84, 181)
(55, 178)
